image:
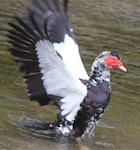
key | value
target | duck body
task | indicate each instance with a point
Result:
(46, 52)
(92, 108)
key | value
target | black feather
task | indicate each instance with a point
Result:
(48, 5)
(57, 5)
(65, 6)
(20, 35)
(44, 21)
(21, 30)
(23, 54)
(116, 53)
(39, 5)
(32, 32)
(36, 27)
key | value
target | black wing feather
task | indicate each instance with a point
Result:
(43, 22)
(57, 5)
(19, 35)
(48, 5)
(21, 53)
(39, 5)
(30, 30)
(58, 23)
(23, 40)
(66, 6)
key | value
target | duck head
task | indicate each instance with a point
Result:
(103, 63)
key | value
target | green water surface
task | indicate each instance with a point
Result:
(98, 25)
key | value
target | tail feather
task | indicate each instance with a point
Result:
(37, 124)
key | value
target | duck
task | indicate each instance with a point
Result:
(46, 52)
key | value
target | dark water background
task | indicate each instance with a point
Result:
(99, 25)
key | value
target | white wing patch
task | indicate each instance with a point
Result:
(58, 80)
(70, 53)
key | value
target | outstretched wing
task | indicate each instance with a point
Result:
(48, 79)
(55, 21)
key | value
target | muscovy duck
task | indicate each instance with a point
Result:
(46, 52)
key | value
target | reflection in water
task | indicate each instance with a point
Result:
(98, 25)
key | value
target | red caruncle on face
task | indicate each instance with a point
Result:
(114, 62)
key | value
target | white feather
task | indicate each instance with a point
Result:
(59, 81)
(70, 53)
